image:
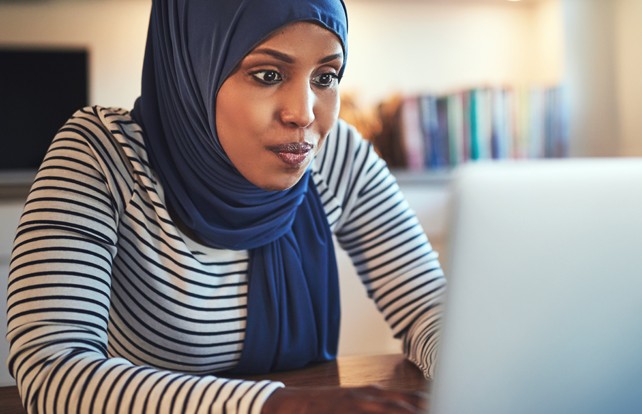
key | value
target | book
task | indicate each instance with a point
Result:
(412, 133)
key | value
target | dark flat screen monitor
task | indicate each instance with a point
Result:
(39, 90)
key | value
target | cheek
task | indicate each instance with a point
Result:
(327, 118)
(328, 112)
(238, 120)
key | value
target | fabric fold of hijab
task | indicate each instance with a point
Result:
(192, 47)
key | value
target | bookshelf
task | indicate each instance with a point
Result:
(437, 133)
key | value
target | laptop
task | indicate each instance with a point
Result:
(544, 302)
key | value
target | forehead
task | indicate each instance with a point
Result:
(305, 37)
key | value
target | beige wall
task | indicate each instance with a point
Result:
(591, 77)
(548, 62)
(407, 46)
(629, 71)
(439, 46)
(604, 64)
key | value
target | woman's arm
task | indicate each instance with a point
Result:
(59, 294)
(386, 243)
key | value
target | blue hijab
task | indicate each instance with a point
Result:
(192, 47)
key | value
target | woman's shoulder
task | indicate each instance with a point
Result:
(112, 140)
(106, 123)
(111, 133)
(344, 145)
(342, 167)
(344, 133)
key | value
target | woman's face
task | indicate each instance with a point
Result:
(275, 110)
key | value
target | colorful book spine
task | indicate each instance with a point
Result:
(412, 133)
(456, 129)
(474, 125)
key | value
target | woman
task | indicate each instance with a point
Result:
(163, 248)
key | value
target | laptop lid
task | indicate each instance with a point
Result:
(544, 302)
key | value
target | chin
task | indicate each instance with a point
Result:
(279, 184)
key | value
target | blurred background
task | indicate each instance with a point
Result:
(407, 47)
(432, 83)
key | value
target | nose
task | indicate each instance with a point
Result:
(297, 108)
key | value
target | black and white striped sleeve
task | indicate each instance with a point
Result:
(59, 294)
(385, 241)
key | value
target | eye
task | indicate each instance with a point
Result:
(268, 77)
(326, 80)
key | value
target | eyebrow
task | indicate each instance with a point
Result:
(289, 59)
(330, 58)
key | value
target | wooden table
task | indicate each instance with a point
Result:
(388, 371)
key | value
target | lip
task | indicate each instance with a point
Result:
(293, 153)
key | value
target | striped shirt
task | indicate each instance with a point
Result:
(112, 309)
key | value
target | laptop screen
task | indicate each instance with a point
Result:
(544, 308)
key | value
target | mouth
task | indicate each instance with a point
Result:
(293, 154)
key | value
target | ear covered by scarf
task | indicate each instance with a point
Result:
(192, 46)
